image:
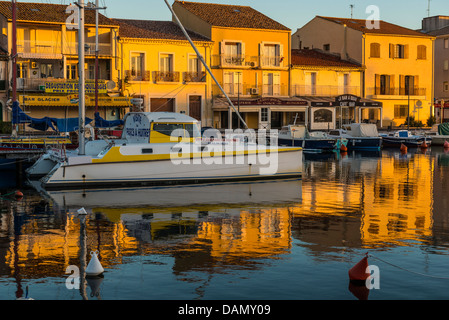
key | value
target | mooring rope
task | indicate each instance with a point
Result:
(399, 267)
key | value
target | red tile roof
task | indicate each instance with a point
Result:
(314, 58)
(150, 29)
(46, 12)
(384, 27)
(222, 15)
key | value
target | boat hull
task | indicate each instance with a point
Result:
(325, 145)
(439, 140)
(242, 167)
(364, 143)
(396, 142)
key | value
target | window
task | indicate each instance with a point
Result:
(46, 70)
(166, 63)
(445, 86)
(446, 43)
(264, 114)
(22, 70)
(407, 84)
(322, 115)
(422, 52)
(398, 51)
(271, 84)
(232, 83)
(232, 53)
(375, 50)
(446, 65)
(194, 64)
(272, 55)
(72, 71)
(137, 65)
(384, 84)
(400, 111)
(327, 47)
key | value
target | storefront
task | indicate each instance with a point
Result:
(262, 113)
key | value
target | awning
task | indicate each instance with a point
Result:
(342, 100)
(254, 105)
(47, 100)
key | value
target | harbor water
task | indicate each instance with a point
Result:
(273, 240)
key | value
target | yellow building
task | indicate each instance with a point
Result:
(47, 62)
(160, 67)
(250, 60)
(398, 61)
(330, 85)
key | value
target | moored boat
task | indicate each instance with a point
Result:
(441, 135)
(406, 138)
(298, 135)
(158, 148)
(360, 136)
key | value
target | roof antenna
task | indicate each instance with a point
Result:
(352, 9)
(428, 9)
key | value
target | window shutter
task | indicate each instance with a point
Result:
(406, 51)
(377, 81)
(392, 87)
(416, 84)
(391, 50)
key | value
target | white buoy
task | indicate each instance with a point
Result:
(82, 211)
(94, 268)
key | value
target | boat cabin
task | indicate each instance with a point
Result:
(160, 127)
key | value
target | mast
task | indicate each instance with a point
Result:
(96, 56)
(204, 63)
(82, 82)
(14, 51)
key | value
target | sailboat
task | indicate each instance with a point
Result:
(162, 148)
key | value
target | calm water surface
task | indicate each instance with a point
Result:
(289, 240)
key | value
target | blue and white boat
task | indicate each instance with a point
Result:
(405, 137)
(298, 135)
(360, 136)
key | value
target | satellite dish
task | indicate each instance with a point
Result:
(110, 85)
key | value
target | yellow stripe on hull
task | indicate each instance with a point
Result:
(114, 155)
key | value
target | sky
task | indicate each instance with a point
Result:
(291, 13)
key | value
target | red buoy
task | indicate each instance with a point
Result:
(19, 194)
(446, 145)
(403, 148)
(358, 272)
(423, 145)
(343, 148)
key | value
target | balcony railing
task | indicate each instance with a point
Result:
(273, 61)
(132, 75)
(194, 76)
(237, 61)
(249, 90)
(165, 76)
(377, 91)
(26, 84)
(104, 49)
(324, 91)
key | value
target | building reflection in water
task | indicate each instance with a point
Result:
(342, 203)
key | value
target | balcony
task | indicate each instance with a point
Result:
(26, 84)
(165, 76)
(324, 91)
(395, 93)
(234, 61)
(250, 90)
(39, 49)
(272, 62)
(104, 49)
(194, 77)
(132, 75)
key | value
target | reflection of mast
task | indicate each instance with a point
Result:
(83, 253)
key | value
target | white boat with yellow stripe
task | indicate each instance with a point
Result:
(159, 148)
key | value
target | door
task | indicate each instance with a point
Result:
(195, 110)
(162, 105)
(264, 118)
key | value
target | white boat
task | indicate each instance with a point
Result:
(298, 135)
(159, 148)
(360, 136)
